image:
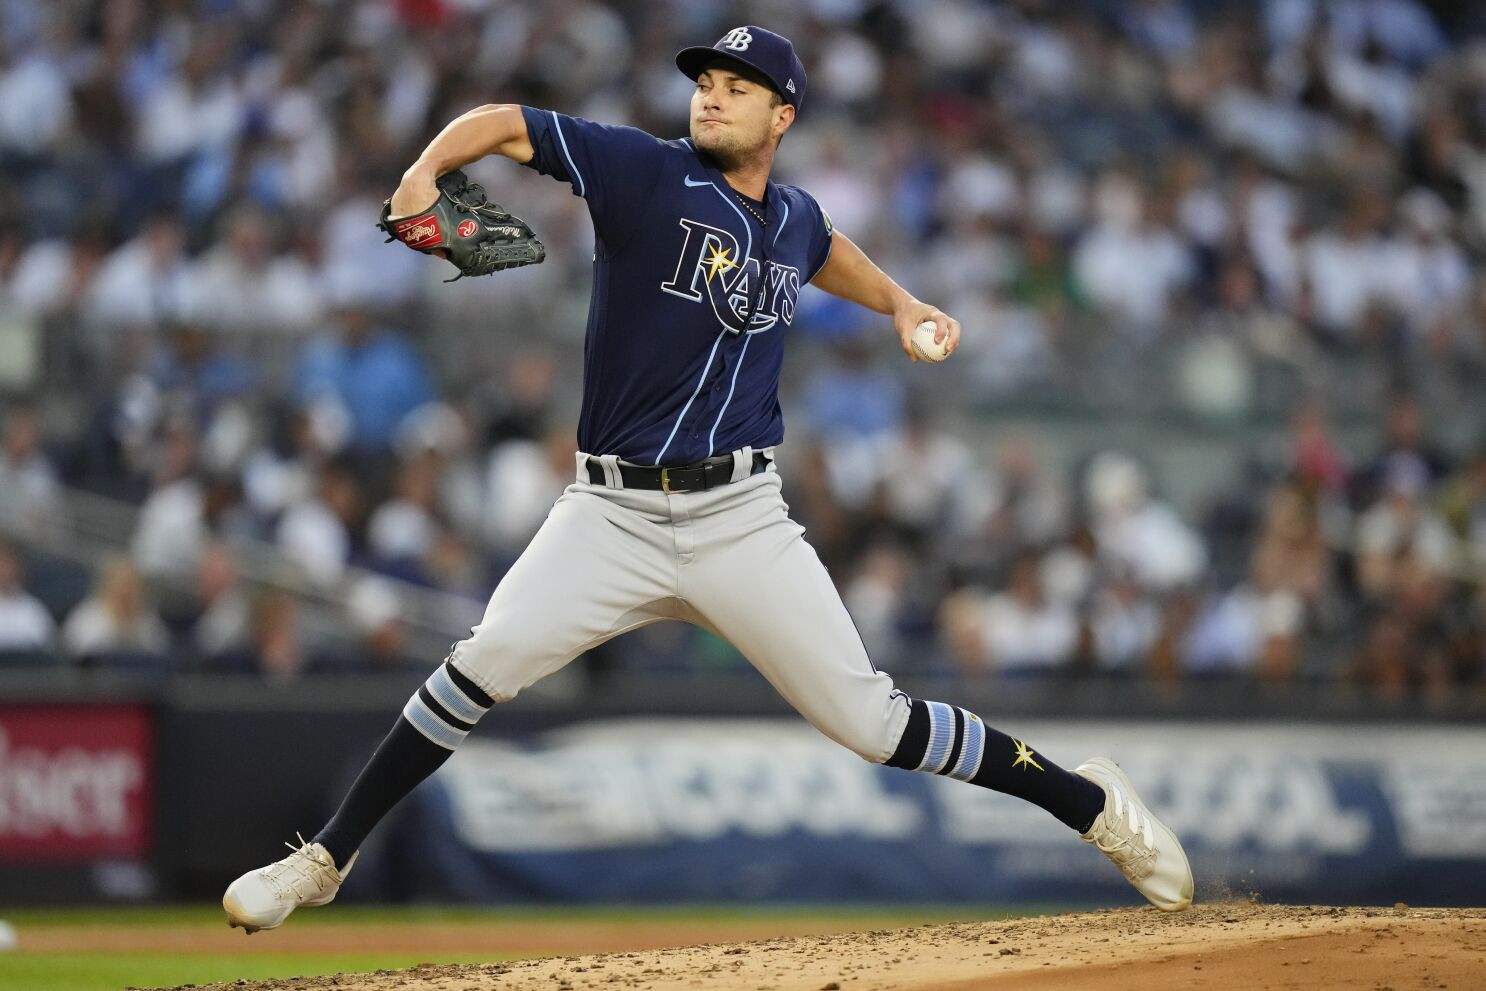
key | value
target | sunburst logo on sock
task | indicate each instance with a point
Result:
(1024, 755)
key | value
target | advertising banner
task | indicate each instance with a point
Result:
(76, 783)
(768, 810)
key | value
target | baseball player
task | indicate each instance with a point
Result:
(675, 512)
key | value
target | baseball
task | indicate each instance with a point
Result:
(923, 344)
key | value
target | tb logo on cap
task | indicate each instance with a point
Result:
(738, 39)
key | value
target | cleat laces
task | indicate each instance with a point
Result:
(304, 865)
(1128, 839)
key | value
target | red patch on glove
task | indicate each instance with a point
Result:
(468, 228)
(419, 232)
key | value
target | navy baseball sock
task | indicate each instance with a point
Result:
(945, 739)
(434, 722)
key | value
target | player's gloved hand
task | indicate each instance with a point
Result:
(476, 235)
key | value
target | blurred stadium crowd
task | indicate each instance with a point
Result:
(1237, 220)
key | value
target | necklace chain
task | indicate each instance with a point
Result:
(749, 207)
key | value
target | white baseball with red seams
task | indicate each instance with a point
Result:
(923, 343)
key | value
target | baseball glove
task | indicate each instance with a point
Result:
(476, 235)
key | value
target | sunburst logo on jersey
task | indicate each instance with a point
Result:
(1024, 755)
(718, 260)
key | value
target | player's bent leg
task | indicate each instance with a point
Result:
(757, 584)
(602, 564)
(1096, 799)
(434, 722)
(545, 612)
(790, 623)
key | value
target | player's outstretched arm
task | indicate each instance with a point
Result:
(494, 129)
(850, 274)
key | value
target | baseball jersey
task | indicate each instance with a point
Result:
(691, 293)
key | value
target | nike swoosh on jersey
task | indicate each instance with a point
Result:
(692, 182)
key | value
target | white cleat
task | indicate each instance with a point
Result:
(263, 899)
(1141, 846)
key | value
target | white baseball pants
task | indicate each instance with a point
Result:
(730, 560)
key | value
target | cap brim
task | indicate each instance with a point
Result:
(693, 61)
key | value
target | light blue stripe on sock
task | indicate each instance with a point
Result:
(974, 749)
(448, 695)
(431, 726)
(941, 737)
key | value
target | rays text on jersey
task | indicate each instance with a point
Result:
(713, 266)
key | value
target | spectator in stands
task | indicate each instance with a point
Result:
(318, 534)
(29, 488)
(1291, 552)
(1135, 530)
(523, 480)
(26, 628)
(1345, 268)
(371, 370)
(143, 280)
(1462, 503)
(222, 609)
(929, 486)
(196, 372)
(274, 648)
(1016, 631)
(117, 620)
(1401, 542)
(1406, 439)
(1124, 622)
(525, 402)
(187, 507)
(1246, 631)
(243, 285)
(1132, 262)
(376, 620)
(401, 531)
(1316, 459)
(150, 156)
(876, 596)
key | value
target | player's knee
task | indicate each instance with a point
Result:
(501, 659)
(866, 738)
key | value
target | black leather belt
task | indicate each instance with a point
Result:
(699, 477)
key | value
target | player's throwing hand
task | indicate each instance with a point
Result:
(907, 317)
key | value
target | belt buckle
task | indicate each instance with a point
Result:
(665, 480)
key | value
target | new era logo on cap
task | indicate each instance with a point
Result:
(761, 50)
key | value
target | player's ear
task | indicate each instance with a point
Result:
(784, 116)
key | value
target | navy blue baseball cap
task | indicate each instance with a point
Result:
(761, 50)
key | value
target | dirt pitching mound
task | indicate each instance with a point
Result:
(1211, 946)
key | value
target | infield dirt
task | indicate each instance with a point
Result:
(1211, 946)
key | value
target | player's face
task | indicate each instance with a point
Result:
(733, 118)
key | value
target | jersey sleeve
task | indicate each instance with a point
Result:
(820, 236)
(613, 168)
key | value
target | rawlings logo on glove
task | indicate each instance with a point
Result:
(477, 236)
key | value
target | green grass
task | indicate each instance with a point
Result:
(348, 915)
(113, 971)
(24, 970)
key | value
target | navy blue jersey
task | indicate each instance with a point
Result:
(691, 293)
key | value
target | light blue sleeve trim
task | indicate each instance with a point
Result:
(572, 169)
(782, 221)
